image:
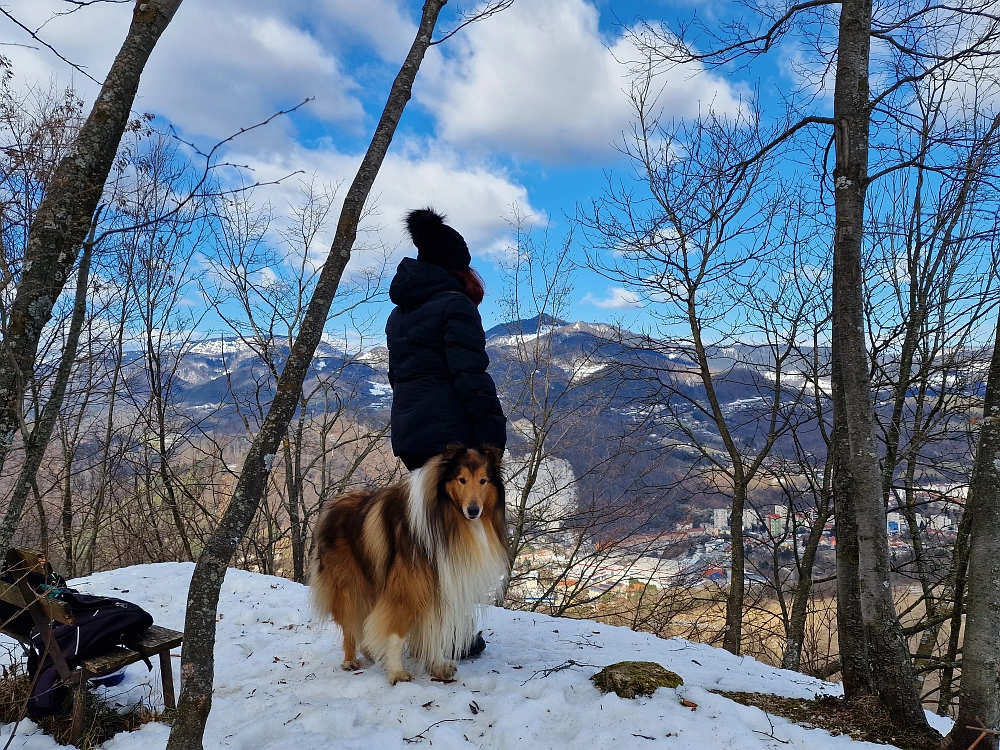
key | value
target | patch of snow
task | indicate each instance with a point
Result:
(279, 684)
(583, 369)
(377, 355)
(379, 390)
(216, 347)
(513, 339)
(793, 379)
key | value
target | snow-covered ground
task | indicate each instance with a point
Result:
(279, 685)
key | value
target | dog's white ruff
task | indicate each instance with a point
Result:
(465, 586)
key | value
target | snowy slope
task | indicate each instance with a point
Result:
(278, 684)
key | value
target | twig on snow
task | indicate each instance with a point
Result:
(420, 737)
(771, 735)
(552, 670)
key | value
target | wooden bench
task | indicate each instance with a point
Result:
(156, 641)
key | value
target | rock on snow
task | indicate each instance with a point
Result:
(279, 685)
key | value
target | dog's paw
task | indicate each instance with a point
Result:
(444, 671)
(401, 676)
(349, 665)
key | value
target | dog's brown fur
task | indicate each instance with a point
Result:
(412, 561)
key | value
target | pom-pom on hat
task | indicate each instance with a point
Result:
(436, 242)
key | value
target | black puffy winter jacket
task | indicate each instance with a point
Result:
(441, 392)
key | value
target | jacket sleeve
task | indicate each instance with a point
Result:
(390, 332)
(465, 350)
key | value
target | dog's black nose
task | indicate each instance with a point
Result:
(473, 511)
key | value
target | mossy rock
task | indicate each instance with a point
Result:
(628, 679)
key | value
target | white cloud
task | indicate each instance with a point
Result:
(540, 81)
(617, 298)
(224, 64)
(221, 69)
(379, 22)
(477, 202)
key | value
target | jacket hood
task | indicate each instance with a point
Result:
(416, 281)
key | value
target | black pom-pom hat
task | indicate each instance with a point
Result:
(435, 241)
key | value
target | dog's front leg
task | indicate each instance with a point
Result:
(394, 660)
(443, 670)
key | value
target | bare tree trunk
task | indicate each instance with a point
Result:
(69, 557)
(198, 659)
(856, 451)
(43, 521)
(293, 486)
(959, 579)
(158, 394)
(979, 694)
(732, 639)
(60, 225)
(795, 634)
(791, 658)
(35, 446)
(855, 666)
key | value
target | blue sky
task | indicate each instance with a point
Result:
(522, 109)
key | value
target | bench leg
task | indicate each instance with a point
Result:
(79, 688)
(167, 676)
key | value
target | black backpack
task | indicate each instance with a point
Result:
(100, 622)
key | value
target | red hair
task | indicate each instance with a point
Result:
(472, 283)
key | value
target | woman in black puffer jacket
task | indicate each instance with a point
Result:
(441, 392)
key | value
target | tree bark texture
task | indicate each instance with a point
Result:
(198, 658)
(979, 693)
(855, 666)
(63, 218)
(859, 506)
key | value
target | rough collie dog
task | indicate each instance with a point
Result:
(413, 562)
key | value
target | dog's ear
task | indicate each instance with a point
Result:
(452, 452)
(494, 456)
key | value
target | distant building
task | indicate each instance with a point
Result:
(942, 522)
(720, 518)
(777, 524)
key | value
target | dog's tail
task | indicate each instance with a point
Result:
(320, 590)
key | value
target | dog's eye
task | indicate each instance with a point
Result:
(462, 480)
(482, 481)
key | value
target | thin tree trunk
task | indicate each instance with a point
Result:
(297, 519)
(732, 636)
(43, 522)
(795, 635)
(292, 508)
(38, 440)
(959, 578)
(855, 444)
(979, 694)
(158, 396)
(69, 557)
(60, 224)
(198, 658)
